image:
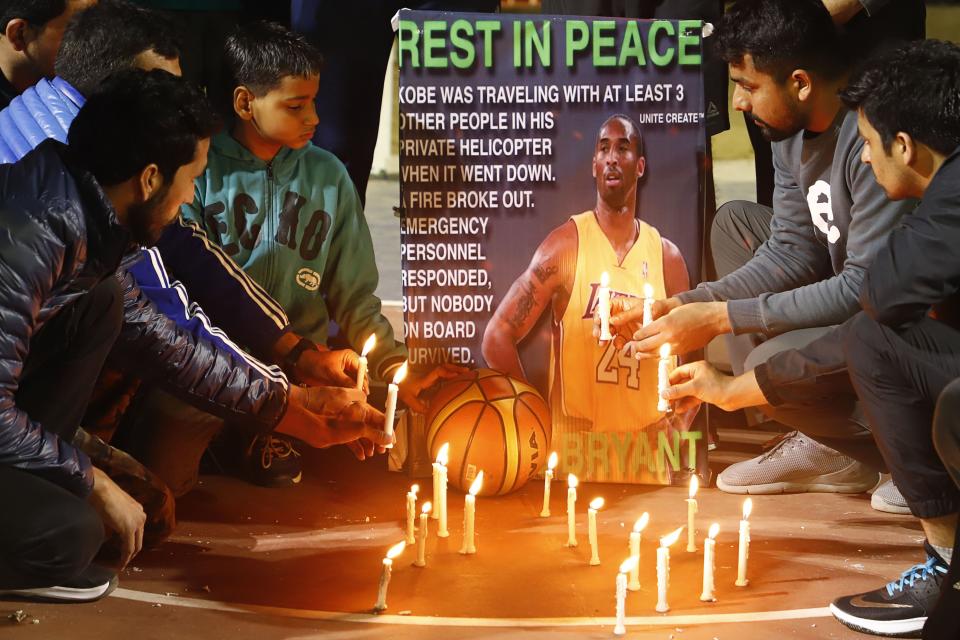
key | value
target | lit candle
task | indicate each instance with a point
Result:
(744, 552)
(627, 565)
(443, 456)
(638, 528)
(421, 560)
(691, 512)
(411, 512)
(392, 389)
(663, 569)
(547, 477)
(663, 378)
(647, 303)
(571, 510)
(595, 506)
(469, 515)
(362, 369)
(436, 480)
(394, 551)
(709, 563)
(603, 306)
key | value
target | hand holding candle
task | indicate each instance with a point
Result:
(392, 390)
(663, 378)
(571, 510)
(647, 304)
(595, 505)
(603, 307)
(421, 560)
(469, 516)
(663, 569)
(443, 456)
(709, 563)
(394, 551)
(362, 369)
(630, 564)
(547, 478)
(411, 512)
(744, 551)
(638, 528)
(691, 513)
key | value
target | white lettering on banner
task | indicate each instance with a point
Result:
(821, 210)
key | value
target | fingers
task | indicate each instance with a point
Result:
(623, 313)
(377, 437)
(357, 449)
(682, 390)
(684, 372)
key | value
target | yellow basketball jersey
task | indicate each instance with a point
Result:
(608, 387)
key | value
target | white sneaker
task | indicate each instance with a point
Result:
(798, 464)
(92, 584)
(887, 498)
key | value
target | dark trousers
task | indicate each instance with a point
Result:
(50, 535)
(943, 621)
(898, 376)
(837, 421)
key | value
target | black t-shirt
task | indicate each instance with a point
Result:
(7, 92)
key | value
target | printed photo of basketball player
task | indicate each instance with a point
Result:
(600, 384)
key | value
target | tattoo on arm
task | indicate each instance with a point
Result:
(524, 305)
(543, 271)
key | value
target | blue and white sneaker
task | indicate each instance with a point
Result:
(898, 610)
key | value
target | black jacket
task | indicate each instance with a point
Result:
(59, 237)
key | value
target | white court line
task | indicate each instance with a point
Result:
(441, 621)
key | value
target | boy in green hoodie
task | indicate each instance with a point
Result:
(286, 210)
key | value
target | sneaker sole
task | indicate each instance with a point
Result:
(794, 487)
(879, 504)
(910, 628)
(63, 594)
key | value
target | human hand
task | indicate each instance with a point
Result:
(320, 367)
(685, 327)
(120, 513)
(326, 416)
(626, 316)
(413, 385)
(701, 381)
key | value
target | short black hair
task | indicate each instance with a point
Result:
(36, 12)
(632, 123)
(914, 89)
(259, 55)
(109, 36)
(782, 35)
(136, 118)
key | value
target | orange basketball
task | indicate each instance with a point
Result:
(493, 423)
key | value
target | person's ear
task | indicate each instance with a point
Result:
(802, 84)
(16, 33)
(904, 146)
(641, 166)
(149, 183)
(243, 102)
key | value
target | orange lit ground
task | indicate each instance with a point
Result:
(256, 563)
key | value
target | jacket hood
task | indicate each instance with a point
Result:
(283, 165)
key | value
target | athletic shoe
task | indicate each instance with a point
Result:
(265, 460)
(887, 498)
(898, 610)
(92, 584)
(798, 464)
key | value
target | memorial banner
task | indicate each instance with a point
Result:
(547, 163)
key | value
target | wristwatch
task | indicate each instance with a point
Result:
(290, 360)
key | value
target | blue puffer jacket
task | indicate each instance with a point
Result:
(43, 111)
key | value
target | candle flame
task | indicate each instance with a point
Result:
(647, 290)
(747, 508)
(396, 550)
(552, 462)
(627, 565)
(668, 540)
(604, 279)
(572, 481)
(714, 530)
(443, 456)
(596, 503)
(414, 489)
(369, 344)
(694, 485)
(400, 374)
(477, 484)
(665, 350)
(641, 522)
(427, 506)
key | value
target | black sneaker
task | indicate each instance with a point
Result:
(92, 584)
(898, 610)
(272, 461)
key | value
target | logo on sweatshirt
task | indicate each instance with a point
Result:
(818, 200)
(308, 279)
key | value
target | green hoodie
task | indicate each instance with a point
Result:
(296, 226)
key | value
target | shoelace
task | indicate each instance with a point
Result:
(920, 571)
(275, 448)
(775, 447)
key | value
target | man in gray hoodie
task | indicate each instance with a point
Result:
(787, 274)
